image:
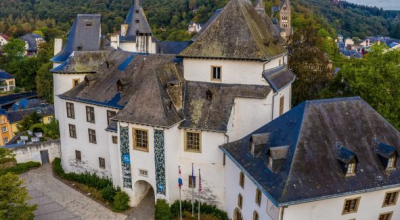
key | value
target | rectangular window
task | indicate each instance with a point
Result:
(115, 139)
(351, 169)
(75, 82)
(240, 201)
(92, 136)
(258, 197)
(281, 105)
(193, 141)
(4, 129)
(241, 180)
(140, 140)
(102, 163)
(392, 162)
(386, 216)
(216, 73)
(70, 110)
(192, 183)
(78, 156)
(350, 206)
(391, 198)
(110, 114)
(5, 140)
(72, 131)
(90, 115)
(143, 173)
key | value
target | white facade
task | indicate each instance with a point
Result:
(369, 208)
(143, 44)
(232, 71)
(90, 152)
(3, 40)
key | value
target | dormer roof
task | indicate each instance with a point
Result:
(237, 32)
(385, 151)
(84, 36)
(321, 136)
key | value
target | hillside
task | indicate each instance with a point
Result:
(357, 21)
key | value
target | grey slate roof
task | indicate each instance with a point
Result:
(84, 35)
(32, 43)
(82, 62)
(213, 115)
(18, 115)
(165, 47)
(237, 32)
(5, 75)
(279, 77)
(137, 22)
(311, 170)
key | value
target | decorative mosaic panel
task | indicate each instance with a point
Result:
(159, 154)
(125, 157)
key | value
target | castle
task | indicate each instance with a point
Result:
(138, 109)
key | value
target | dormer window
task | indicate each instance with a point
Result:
(137, 21)
(89, 23)
(351, 169)
(258, 143)
(392, 162)
(79, 48)
(86, 81)
(209, 95)
(137, 11)
(276, 157)
(120, 88)
(387, 155)
(348, 160)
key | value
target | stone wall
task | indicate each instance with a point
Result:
(31, 152)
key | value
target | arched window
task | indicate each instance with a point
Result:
(240, 201)
(255, 215)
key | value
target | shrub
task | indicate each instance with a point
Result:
(109, 193)
(20, 168)
(210, 210)
(121, 202)
(162, 210)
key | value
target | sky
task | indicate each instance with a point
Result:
(385, 4)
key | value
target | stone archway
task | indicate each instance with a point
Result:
(143, 191)
(237, 214)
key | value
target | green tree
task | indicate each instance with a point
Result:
(375, 78)
(44, 82)
(14, 49)
(28, 121)
(13, 197)
(309, 63)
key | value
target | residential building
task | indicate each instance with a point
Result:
(145, 114)
(194, 27)
(32, 43)
(7, 81)
(9, 119)
(3, 39)
(326, 159)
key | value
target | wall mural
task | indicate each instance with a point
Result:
(160, 161)
(125, 157)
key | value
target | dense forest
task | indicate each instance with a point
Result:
(170, 18)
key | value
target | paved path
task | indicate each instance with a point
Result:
(145, 210)
(57, 201)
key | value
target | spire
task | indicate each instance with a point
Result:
(260, 4)
(136, 3)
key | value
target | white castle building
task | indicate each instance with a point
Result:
(136, 111)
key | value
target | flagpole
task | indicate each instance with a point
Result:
(180, 200)
(193, 184)
(199, 194)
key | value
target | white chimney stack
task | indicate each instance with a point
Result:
(58, 43)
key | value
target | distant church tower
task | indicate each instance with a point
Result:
(285, 23)
(135, 35)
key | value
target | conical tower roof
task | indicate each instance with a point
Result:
(237, 33)
(137, 22)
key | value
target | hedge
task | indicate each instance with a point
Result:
(108, 192)
(161, 212)
(20, 168)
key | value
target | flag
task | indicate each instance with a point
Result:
(200, 186)
(192, 177)
(180, 178)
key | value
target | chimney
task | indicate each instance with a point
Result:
(137, 3)
(58, 43)
(124, 29)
